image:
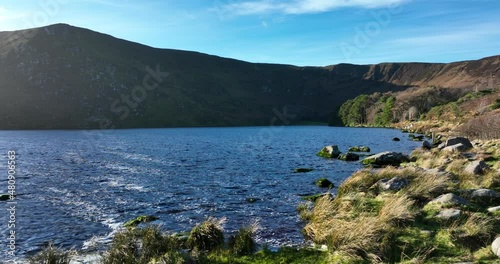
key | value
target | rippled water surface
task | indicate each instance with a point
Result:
(76, 188)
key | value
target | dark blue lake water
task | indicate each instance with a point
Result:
(76, 189)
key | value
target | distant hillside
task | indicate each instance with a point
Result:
(62, 76)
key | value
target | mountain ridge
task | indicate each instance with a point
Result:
(67, 77)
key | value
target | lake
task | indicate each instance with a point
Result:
(76, 188)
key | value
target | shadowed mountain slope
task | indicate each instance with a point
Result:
(67, 77)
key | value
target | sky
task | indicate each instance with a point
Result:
(298, 32)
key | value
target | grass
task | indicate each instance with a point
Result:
(207, 236)
(364, 224)
(243, 243)
(52, 255)
(140, 245)
(305, 211)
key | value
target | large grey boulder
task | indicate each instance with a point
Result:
(456, 148)
(386, 158)
(477, 167)
(449, 199)
(459, 140)
(331, 152)
(495, 246)
(448, 214)
(486, 196)
(394, 184)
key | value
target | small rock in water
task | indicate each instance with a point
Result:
(324, 183)
(252, 199)
(349, 157)
(396, 139)
(331, 152)
(302, 170)
(4, 197)
(359, 149)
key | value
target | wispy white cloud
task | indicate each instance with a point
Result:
(449, 36)
(298, 6)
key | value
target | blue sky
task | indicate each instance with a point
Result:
(299, 32)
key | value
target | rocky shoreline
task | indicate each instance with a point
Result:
(438, 205)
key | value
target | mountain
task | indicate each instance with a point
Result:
(65, 77)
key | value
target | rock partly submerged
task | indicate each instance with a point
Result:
(349, 156)
(331, 152)
(324, 183)
(302, 170)
(360, 149)
(140, 219)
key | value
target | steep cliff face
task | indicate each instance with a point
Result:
(67, 77)
(451, 75)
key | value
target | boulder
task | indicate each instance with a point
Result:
(495, 246)
(349, 156)
(477, 167)
(331, 152)
(396, 139)
(449, 199)
(494, 209)
(441, 146)
(459, 140)
(359, 149)
(449, 214)
(324, 183)
(426, 144)
(394, 184)
(485, 195)
(386, 158)
(456, 148)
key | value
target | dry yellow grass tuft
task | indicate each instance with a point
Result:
(427, 185)
(397, 209)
